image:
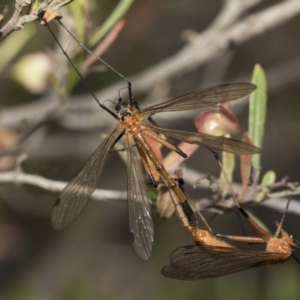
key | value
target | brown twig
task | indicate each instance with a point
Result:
(17, 21)
(46, 117)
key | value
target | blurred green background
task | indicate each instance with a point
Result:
(93, 258)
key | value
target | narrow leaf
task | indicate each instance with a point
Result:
(257, 112)
(115, 16)
(228, 161)
(246, 163)
(77, 10)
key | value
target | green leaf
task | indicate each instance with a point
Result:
(269, 178)
(258, 111)
(115, 16)
(152, 192)
(77, 12)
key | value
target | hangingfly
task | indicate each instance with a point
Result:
(137, 126)
(213, 257)
(75, 195)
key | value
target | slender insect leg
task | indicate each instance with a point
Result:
(260, 230)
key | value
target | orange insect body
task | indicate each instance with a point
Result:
(130, 122)
(282, 245)
(204, 237)
(212, 257)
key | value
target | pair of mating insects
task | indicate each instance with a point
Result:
(211, 256)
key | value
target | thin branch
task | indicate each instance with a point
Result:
(279, 205)
(272, 200)
(17, 21)
(16, 177)
(231, 11)
(212, 43)
(32, 128)
(206, 47)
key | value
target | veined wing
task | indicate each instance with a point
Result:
(199, 261)
(74, 197)
(210, 141)
(139, 206)
(203, 98)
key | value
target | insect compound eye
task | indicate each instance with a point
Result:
(121, 104)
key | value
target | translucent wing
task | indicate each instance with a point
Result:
(203, 98)
(74, 197)
(198, 261)
(210, 141)
(139, 205)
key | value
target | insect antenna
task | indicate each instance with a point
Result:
(119, 93)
